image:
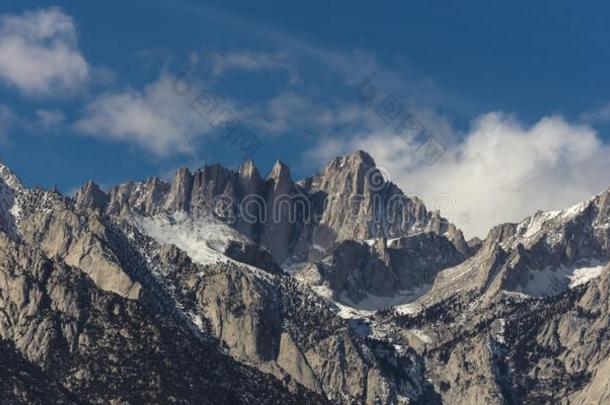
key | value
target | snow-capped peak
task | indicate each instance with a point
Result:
(10, 209)
(548, 224)
(9, 178)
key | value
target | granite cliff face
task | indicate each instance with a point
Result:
(224, 286)
(355, 270)
(300, 222)
(81, 314)
(296, 221)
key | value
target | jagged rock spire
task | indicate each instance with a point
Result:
(91, 195)
(248, 170)
(280, 171)
(346, 200)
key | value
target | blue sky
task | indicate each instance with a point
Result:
(86, 92)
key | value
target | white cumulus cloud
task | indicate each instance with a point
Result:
(39, 54)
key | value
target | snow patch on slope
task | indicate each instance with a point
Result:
(204, 240)
(552, 281)
(178, 230)
(347, 309)
(8, 177)
(421, 335)
(547, 224)
(585, 274)
(536, 223)
(340, 309)
(409, 309)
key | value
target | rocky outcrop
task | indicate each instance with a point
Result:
(87, 344)
(253, 255)
(385, 268)
(91, 195)
(348, 200)
(536, 256)
(514, 349)
(358, 203)
(79, 239)
(280, 222)
(269, 322)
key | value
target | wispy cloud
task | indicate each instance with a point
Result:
(342, 67)
(7, 121)
(246, 60)
(42, 121)
(295, 112)
(156, 118)
(50, 120)
(39, 54)
(598, 115)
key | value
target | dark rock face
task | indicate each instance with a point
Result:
(253, 255)
(384, 268)
(90, 195)
(279, 226)
(21, 382)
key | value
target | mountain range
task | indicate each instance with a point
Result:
(224, 286)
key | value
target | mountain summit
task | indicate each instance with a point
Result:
(348, 199)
